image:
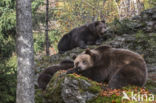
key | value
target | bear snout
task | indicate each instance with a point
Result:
(78, 69)
(104, 30)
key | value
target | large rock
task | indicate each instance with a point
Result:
(73, 88)
(138, 34)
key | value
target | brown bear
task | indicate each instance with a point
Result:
(117, 67)
(82, 36)
(47, 74)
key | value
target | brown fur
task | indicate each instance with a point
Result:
(88, 34)
(117, 67)
(46, 75)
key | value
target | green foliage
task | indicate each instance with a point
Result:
(7, 18)
(139, 34)
(8, 88)
(38, 17)
(38, 42)
(110, 10)
(149, 3)
(7, 28)
(102, 99)
(122, 27)
(39, 39)
(54, 37)
(36, 4)
(7, 47)
(8, 80)
(76, 13)
(38, 96)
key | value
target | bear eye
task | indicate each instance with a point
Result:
(84, 62)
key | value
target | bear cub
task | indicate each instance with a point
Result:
(47, 74)
(117, 67)
(82, 36)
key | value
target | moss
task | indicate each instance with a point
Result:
(118, 98)
(94, 88)
(77, 77)
(102, 99)
(53, 90)
(38, 96)
(151, 86)
(81, 90)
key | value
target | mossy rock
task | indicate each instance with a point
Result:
(70, 86)
(73, 88)
(39, 96)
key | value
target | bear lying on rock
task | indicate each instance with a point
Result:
(82, 36)
(117, 67)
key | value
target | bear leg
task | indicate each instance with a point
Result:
(128, 75)
(90, 43)
(82, 45)
(43, 81)
(99, 41)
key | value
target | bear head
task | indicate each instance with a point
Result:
(98, 28)
(84, 60)
(89, 58)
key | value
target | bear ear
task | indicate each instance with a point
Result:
(74, 57)
(89, 52)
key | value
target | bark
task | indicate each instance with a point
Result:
(101, 11)
(25, 52)
(117, 8)
(130, 8)
(46, 29)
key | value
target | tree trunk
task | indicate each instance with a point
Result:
(101, 11)
(130, 8)
(46, 29)
(25, 52)
(115, 1)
